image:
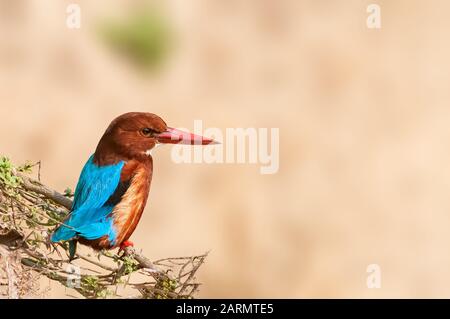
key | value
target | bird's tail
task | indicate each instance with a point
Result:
(65, 233)
(72, 249)
(62, 233)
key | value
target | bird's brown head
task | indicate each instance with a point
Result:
(133, 135)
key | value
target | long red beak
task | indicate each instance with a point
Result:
(174, 136)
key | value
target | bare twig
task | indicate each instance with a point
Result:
(37, 187)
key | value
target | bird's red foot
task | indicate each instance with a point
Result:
(125, 244)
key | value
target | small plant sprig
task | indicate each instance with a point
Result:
(7, 176)
(68, 192)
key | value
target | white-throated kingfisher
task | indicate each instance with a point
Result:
(113, 187)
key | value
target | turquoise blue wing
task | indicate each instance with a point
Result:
(90, 211)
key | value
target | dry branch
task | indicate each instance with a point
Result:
(29, 211)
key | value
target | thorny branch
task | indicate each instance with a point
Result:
(29, 211)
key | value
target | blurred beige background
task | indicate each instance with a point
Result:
(364, 125)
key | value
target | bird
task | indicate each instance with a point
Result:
(114, 184)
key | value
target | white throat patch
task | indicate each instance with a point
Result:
(149, 152)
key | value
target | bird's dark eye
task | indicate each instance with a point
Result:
(147, 131)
